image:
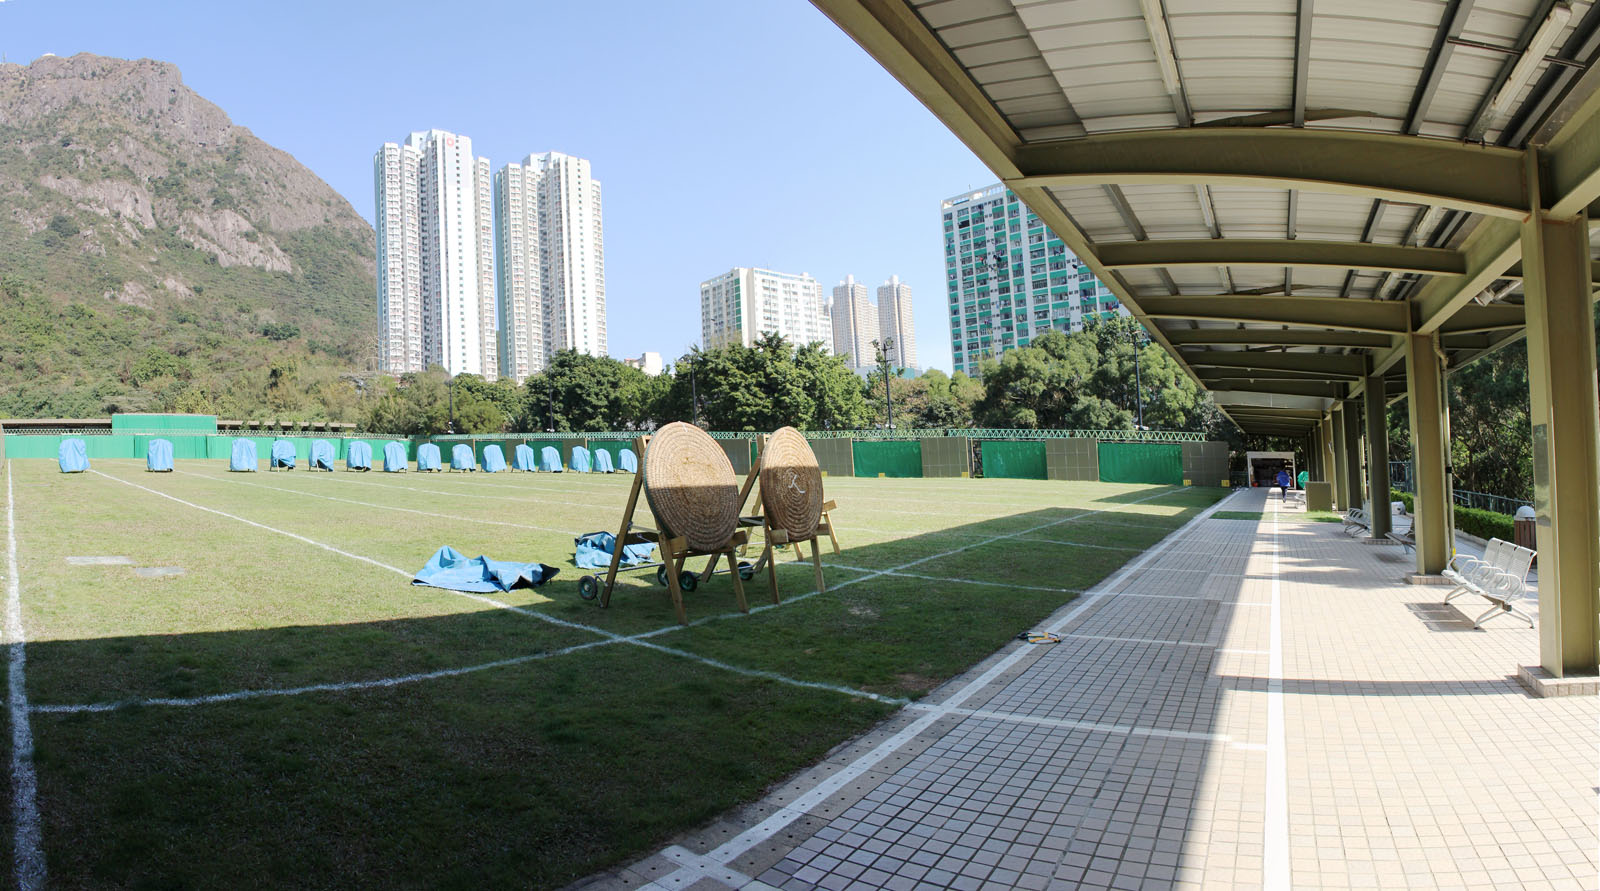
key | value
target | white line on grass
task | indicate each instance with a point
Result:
(732, 849)
(1275, 824)
(408, 510)
(533, 614)
(29, 854)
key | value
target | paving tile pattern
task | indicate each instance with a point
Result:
(1134, 754)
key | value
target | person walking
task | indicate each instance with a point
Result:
(1283, 483)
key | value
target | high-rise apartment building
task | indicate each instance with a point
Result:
(855, 323)
(744, 303)
(1009, 278)
(552, 261)
(433, 244)
(895, 324)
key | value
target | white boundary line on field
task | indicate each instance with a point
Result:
(732, 849)
(533, 614)
(28, 836)
(409, 510)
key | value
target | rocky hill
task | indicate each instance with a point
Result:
(153, 255)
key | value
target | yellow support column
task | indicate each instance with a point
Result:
(1377, 456)
(1341, 466)
(1430, 450)
(1566, 439)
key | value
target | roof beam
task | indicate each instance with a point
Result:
(1474, 318)
(1375, 165)
(1277, 337)
(1345, 314)
(1302, 59)
(1455, 19)
(1333, 365)
(1275, 252)
(1268, 374)
(1311, 415)
(1316, 389)
(1237, 399)
(1490, 250)
(1572, 160)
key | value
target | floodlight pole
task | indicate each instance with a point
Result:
(1138, 385)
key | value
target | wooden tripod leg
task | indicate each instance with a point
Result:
(771, 561)
(622, 539)
(673, 563)
(816, 563)
(738, 583)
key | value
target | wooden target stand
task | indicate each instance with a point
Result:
(772, 536)
(675, 551)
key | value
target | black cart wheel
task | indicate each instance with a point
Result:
(746, 571)
(688, 581)
(589, 587)
(661, 576)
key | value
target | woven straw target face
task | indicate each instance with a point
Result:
(791, 484)
(690, 485)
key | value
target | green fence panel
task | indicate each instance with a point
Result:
(1014, 460)
(612, 447)
(1141, 462)
(891, 458)
(178, 424)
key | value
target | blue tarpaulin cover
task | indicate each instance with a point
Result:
(602, 462)
(448, 569)
(244, 456)
(550, 459)
(359, 456)
(321, 455)
(627, 461)
(523, 456)
(580, 460)
(394, 458)
(494, 460)
(461, 457)
(596, 548)
(73, 455)
(282, 454)
(427, 456)
(158, 455)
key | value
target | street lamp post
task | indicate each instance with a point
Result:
(883, 347)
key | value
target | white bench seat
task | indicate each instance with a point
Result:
(1500, 577)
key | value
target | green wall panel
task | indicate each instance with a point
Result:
(1014, 460)
(1141, 462)
(894, 458)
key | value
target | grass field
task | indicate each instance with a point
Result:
(292, 711)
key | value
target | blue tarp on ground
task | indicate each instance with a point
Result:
(550, 459)
(461, 457)
(73, 456)
(580, 460)
(321, 455)
(602, 462)
(427, 456)
(158, 456)
(595, 549)
(448, 569)
(359, 457)
(494, 460)
(282, 454)
(627, 461)
(244, 456)
(394, 458)
(523, 458)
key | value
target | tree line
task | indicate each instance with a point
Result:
(1095, 378)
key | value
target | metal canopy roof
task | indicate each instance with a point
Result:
(1277, 189)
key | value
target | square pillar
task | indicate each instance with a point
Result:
(1340, 464)
(1377, 456)
(1430, 450)
(1566, 439)
(1352, 452)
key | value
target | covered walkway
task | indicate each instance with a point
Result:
(1250, 704)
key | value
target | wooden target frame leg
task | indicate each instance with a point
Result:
(816, 563)
(622, 538)
(674, 563)
(738, 584)
(828, 522)
(773, 536)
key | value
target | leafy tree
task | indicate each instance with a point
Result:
(765, 386)
(579, 392)
(419, 403)
(158, 363)
(1048, 384)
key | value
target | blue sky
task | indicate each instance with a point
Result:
(725, 132)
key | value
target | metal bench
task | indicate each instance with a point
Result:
(1357, 518)
(1406, 539)
(1500, 576)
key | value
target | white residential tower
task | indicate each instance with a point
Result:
(744, 303)
(894, 321)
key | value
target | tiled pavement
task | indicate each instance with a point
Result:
(1174, 740)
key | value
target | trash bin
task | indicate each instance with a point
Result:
(1525, 529)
